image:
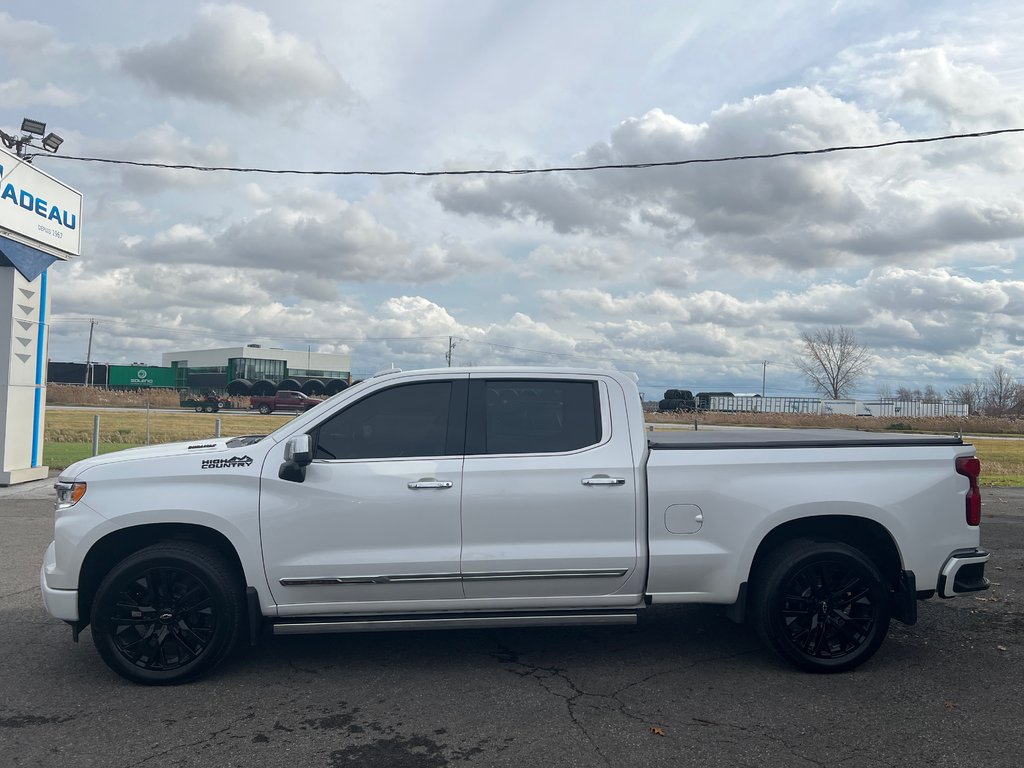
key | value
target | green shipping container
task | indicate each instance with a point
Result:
(139, 376)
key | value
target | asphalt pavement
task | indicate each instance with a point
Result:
(684, 687)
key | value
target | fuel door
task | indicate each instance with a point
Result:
(683, 518)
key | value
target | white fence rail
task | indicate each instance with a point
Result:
(877, 408)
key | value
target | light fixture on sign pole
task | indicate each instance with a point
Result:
(33, 126)
(30, 128)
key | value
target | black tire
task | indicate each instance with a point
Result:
(265, 409)
(821, 605)
(209, 408)
(167, 614)
(199, 409)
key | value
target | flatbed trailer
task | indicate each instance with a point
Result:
(206, 406)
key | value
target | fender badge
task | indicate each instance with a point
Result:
(235, 462)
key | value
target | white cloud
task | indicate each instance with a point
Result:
(19, 93)
(164, 144)
(233, 56)
(24, 37)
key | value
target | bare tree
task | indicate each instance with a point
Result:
(972, 395)
(1003, 394)
(833, 361)
(906, 394)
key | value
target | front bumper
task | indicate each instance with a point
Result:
(59, 603)
(963, 572)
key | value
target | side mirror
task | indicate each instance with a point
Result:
(298, 454)
(299, 450)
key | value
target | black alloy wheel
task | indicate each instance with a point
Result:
(824, 606)
(167, 613)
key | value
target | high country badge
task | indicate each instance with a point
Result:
(235, 462)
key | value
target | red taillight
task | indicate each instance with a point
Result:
(970, 467)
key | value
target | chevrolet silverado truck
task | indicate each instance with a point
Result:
(285, 400)
(506, 497)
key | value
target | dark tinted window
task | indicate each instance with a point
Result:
(540, 416)
(408, 420)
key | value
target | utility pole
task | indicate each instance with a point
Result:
(88, 356)
(451, 347)
(764, 375)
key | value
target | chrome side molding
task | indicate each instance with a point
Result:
(419, 578)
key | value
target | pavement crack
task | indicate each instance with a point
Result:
(206, 740)
(19, 592)
(544, 676)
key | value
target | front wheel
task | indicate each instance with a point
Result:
(822, 605)
(168, 613)
(199, 409)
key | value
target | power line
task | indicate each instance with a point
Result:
(529, 171)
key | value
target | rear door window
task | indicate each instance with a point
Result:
(533, 416)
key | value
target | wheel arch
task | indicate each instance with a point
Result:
(116, 545)
(869, 536)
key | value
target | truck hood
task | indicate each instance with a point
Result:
(163, 451)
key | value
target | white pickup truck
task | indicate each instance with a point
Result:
(506, 497)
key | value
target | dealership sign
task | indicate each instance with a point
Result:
(137, 376)
(38, 210)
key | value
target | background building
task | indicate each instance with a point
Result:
(257, 370)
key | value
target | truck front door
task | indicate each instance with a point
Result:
(376, 520)
(548, 497)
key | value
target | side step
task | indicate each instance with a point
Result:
(396, 623)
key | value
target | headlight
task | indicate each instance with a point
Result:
(68, 494)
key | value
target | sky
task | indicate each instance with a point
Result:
(693, 276)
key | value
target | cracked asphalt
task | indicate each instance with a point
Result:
(684, 687)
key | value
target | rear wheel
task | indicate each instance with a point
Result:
(264, 409)
(822, 605)
(167, 613)
(199, 409)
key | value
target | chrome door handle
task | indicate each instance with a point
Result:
(431, 484)
(603, 481)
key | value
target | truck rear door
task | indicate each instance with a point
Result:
(548, 497)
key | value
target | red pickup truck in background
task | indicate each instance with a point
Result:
(283, 401)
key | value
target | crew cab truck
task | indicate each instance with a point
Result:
(285, 400)
(505, 497)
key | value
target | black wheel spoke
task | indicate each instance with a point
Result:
(853, 639)
(184, 645)
(849, 584)
(163, 618)
(202, 605)
(856, 597)
(826, 609)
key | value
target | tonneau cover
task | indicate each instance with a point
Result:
(749, 437)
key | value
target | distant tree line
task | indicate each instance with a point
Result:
(834, 361)
(999, 394)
